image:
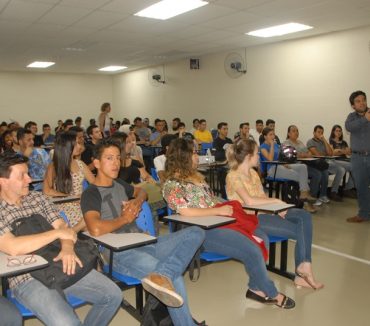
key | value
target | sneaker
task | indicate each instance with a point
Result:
(334, 196)
(324, 199)
(161, 287)
(318, 202)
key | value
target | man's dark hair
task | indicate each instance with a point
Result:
(92, 122)
(9, 159)
(102, 145)
(3, 124)
(318, 127)
(195, 120)
(78, 119)
(181, 125)
(137, 119)
(221, 124)
(76, 129)
(104, 106)
(354, 95)
(45, 125)
(68, 122)
(90, 129)
(202, 120)
(157, 121)
(268, 121)
(259, 121)
(29, 124)
(21, 132)
(176, 119)
(243, 124)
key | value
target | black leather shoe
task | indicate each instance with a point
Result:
(253, 296)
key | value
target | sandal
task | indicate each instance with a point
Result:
(265, 300)
(287, 303)
(305, 276)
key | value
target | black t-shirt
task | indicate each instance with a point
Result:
(131, 174)
(341, 145)
(218, 145)
(108, 202)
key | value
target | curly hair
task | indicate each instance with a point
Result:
(179, 163)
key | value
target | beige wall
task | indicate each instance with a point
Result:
(303, 82)
(47, 97)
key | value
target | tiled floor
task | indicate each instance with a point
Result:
(341, 258)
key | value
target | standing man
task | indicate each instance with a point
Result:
(358, 124)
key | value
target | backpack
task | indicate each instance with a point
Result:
(53, 276)
(155, 313)
(290, 193)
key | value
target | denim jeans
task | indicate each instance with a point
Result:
(361, 174)
(297, 225)
(10, 315)
(318, 182)
(49, 306)
(339, 172)
(169, 256)
(347, 166)
(236, 245)
(296, 172)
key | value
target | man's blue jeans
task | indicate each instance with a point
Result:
(169, 256)
(318, 181)
(10, 315)
(236, 245)
(49, 306)
(361, 174)
(297, 225)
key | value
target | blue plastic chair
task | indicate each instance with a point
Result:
(145, 222)
(204, 147)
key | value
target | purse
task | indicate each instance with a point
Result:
(53, 276)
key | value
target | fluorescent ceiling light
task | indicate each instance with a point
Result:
(279, 30)
(112, 68)
(166, 9)
(40, 64)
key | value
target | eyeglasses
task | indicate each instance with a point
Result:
(14, 261)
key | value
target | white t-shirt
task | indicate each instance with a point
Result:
(159, 162)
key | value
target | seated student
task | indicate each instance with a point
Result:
(6, 141)
(318, 178)
(243, 184)
(341, 148)
(195, 126)
(271, 125)
(32, 126)
(221, 143)
(188, 194)
(156, 136)
(297, 172)
(243, 132)
(9, 313)
(319, 146)
(175, 124)
(38, 158)
(48, 305)
(65, 176)
(256, 133)
(94, 133)
(47, 137)
(160, 160)
(202, 135)
(181, 132)
(111, 205)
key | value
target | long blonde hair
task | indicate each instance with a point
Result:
(179, 163)
(237, 152)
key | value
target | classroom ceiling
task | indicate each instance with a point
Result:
(84, 35)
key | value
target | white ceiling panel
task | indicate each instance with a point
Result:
(82, 35)
(65, 15)
(24, 11)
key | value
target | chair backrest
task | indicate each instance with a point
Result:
(204, 148)
(154, 174)
(85, 184)
(263, 165)
(145, 219)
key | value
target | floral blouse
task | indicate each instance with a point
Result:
(183, 194)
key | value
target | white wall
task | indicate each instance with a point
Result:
(303, 82)
(47, 97)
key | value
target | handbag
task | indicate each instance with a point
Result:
(53, 276)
